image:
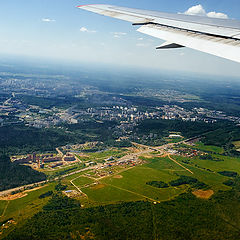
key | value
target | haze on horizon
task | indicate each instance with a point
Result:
(57, 30)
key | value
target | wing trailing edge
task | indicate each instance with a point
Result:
(219, 37)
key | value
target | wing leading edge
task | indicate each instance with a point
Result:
(220, 37)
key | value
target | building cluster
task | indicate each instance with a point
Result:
(172, 112)
(39, 160)
(107, 167)
(14, 111)
(189, 152)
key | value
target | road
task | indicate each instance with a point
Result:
(22, 188)
(146, 149)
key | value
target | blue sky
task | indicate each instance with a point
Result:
(56, 29)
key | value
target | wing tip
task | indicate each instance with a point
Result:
(85, 5)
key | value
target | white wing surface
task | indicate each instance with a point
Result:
(220, 37)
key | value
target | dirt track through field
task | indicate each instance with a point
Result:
(123, 189)
(5, 209)
(179, 164)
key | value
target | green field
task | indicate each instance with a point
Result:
(60, 171)
(2, 207)
(228, 164)
(127, 185)
(81, 181)
(25, 207)
(103, 155)
(105, 194)
(131, 185)
(66, 180)
(209, 148)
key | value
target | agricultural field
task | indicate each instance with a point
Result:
(115, 184)
(210, 148)
(82, 181)
(130, 184)
(101, 156)
(24, 205)
(2, 207)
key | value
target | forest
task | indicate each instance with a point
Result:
(14, 175)
(185, 217)
(25, 140)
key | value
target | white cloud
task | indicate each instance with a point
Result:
(200, 11)
(140, 39)
(84, 29)
(196, 10)
(142, 45)
(118, 34)
(48, 20)
(217, 15)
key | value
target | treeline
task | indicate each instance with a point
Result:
(13, 175)
(229, 173)
(158, 184)
(193, 182)
(49, 102)
(186, 217)
(163, 127)
(223, 137)
(23, 140)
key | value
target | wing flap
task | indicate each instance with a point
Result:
(226, 48)
(220, 37)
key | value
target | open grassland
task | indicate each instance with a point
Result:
(213, 179)
(106, 194)
(25, 207)
(117, 188)
(209, 148)
(2, 207)
(63, 169)
(226, 164)
(103, 155)
(66, 180)
(130, 185)
(82, 180)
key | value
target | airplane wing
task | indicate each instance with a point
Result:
(220, 37)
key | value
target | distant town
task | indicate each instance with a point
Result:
(13, 111)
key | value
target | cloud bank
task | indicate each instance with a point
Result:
(118, 34)
(84, 29)
(48, 20)
(200, 11)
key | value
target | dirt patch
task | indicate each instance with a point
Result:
(98, 186)
(71, 193)
(148, 156)
(118, 176)
(19, 195)
(83, 155)
(14, 196)
(203, 194)
(33, 189)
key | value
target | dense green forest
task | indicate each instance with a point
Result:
(158, 184)
(14, 175)
(195, 183)
(185, 217)
(49, 102)
(22, 139)
(162, 127)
